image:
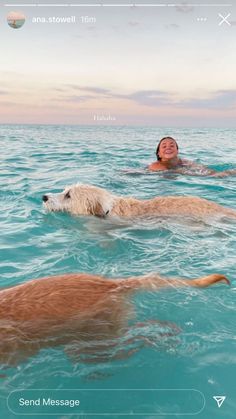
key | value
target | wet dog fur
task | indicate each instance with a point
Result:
(73, 308)
(90, 200)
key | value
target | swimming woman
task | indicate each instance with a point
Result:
(168, 159)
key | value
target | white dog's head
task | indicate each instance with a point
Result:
(80, 200)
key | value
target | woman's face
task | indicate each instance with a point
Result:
(168, 149)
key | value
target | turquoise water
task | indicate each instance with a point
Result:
(39, 159)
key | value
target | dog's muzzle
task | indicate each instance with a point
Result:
(45, 198)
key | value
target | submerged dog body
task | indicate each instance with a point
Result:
(71, 308)
(91, 200)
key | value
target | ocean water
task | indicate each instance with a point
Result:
(37, 159)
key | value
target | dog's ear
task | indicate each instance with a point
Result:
(99, 211)
(99, 202)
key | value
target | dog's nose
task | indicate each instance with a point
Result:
(45, 198)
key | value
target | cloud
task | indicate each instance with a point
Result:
(184, 8)
(148, 97)
(153, 98)
(58, 89)
(91, 89)
(91, 28)
(78, 99)
(133, 23)
(172, 26)
(222, 99)
(97, 90)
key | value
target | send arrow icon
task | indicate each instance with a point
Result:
(219, 400)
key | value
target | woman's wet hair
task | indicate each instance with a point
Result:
(158, 146)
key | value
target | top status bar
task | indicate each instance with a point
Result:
(117, 4)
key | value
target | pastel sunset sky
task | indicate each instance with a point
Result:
(140, 65)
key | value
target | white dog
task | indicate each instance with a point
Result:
(91, 200)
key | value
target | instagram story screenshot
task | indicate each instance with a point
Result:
(118, 209)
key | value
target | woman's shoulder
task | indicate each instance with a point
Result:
(186, 162)
(155, 166)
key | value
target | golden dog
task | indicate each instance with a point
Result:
(91, 200)
(73, 309)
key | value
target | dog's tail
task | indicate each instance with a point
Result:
(156, 282)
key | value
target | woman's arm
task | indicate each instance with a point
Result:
(225, 173)
(195, 169)
(201, 170)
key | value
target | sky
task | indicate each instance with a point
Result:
(138, 65)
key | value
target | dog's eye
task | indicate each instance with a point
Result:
(67, 195)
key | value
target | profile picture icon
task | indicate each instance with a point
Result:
(15, 19)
